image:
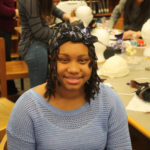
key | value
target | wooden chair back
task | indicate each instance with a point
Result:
(3, 140)
(10, 70)
(6, 107)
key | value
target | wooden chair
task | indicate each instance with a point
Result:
(3, 140)
(6, 107)
(14, 47)
(10, 70)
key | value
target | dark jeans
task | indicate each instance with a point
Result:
(11, 88)
(37, 61)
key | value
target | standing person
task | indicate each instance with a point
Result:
(72, 110)
(135, 14)
(7, 23)
(33, 46)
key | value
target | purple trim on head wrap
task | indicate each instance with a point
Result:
(74, 32)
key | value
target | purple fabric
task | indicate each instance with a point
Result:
(75, 32)
(7, 12)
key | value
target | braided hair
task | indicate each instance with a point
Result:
(74, 32)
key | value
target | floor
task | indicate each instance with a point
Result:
(139, 141)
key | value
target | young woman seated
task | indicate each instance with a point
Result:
(73, 110)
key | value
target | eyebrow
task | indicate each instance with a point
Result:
(63, 54)
(78, 56)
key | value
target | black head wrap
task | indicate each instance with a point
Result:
(75, 32)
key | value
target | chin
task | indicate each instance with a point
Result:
(73, 88)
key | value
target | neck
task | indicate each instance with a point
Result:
(69, 94)
(68, 100)
(64, 99)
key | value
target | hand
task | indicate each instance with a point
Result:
(68, 17)
(72, 19)
(130, 34)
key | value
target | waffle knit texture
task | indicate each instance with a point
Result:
(35, 124)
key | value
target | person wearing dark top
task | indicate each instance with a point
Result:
(7, 23)
(135, 14)
(35, 16)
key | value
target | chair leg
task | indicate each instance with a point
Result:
(3, 88)
(22, 84)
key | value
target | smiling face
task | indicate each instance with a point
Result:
(73, 66)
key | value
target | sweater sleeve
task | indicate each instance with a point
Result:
(20, 132)
(116, 13)
(57, 12)
(118, 137)
(7, 10)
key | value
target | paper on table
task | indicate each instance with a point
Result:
(137, 104)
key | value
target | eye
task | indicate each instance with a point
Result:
(63, 60)
(83, 61)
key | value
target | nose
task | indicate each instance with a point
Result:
(73, 67)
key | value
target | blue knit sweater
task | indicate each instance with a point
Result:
(35, 124)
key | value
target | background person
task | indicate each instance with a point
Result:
(35, 16)
(72, 110)
(135, 14)
(7, 23)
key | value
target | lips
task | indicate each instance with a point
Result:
(73, 80)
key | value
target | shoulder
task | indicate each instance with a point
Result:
(110, 99)
(22, 117)
(26, 103)
(117, 119)
(29, 95)
(108, 94)
(23, 103)
(26, 108)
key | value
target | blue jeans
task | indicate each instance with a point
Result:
(37, 61)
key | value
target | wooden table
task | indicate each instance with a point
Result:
(139, 120)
